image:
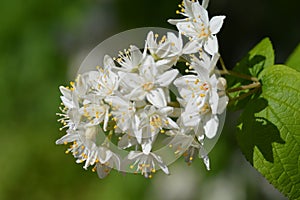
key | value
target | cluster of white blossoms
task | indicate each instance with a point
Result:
(139, 102)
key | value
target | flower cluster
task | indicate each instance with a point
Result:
(139, 100)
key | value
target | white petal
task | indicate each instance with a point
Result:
(175, 21)
(68, 103)
(191, 47)
(214, 101)
(187, 28)
(65, 92)
(166, 110)
(199, 11)
(190, 119)
(223, 101)
(108, 62)
(171, 124)
(146, 147)
(102, 170)
(106, 118)
(176, 40)
(134, 154)
(67, 138)
(157, 98)
(150, 40)
(130, 80)
(166, 78)
(163, 50)
(205, 3)
(216, 24)
(211, 46)
(160, 163)
(211, 126)
(136, 55)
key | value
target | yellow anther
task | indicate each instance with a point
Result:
(150, 176)
(65, 143)
(191, 158)
(153, 170)
(202, 95)
(170, 145)
(131, 166)
(187, 71)
(67, 151)
(162, 131)
(94, 169)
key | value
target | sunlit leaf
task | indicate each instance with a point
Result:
(269, 129)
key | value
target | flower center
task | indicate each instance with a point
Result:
(205, 109)
(148, 86)
(155, 121)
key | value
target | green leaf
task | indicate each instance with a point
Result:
(294, 59)
(269, 129)
(258, 58)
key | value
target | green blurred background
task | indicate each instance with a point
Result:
(42, 45)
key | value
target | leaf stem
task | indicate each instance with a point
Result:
(244, 95)
(236, 74)
(225, 71)
(244, 87)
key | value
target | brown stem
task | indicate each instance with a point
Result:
(243, 95)
(236, 74)
(244, 87)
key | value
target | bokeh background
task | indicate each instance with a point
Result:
(42, 45)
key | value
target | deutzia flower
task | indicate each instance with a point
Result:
(201, 101)
(198, 27)
(146, 163)
(146, 83)
(167, 51)
(154, 120)
(85, 149)
(131, 59)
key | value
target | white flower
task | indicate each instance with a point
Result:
(167, 51)
(123, 111)
(85, 149)
(106, 161)
(71, 98)
(153, 121)
(146, 163)
(95, 114)
(198, 26)
(131, 60)
(201, 101)
(147, 82)
(103, 82)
